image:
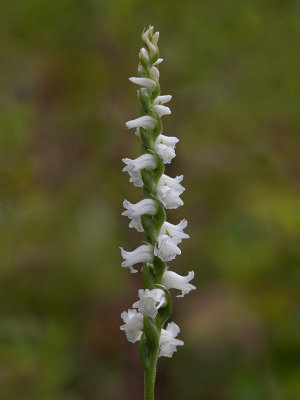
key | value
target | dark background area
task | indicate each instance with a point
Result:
(233, 70)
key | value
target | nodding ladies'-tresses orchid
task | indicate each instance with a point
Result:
(145, 322)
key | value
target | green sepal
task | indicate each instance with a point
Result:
(144, 352)
(141, 72)
(149, 227)
(156, 91)
(146, 139)
(145, 100)
(157, 129)
(145, 63)
(156, 55)
(148, 276)
(164, 312)
(148, 181)
(159, 169)
(159, 268)
(151, 333)
(160, 216)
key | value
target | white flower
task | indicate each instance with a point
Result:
(161, 110)
(165, 147)
(152, 48)
(144, 54)
(146, 122)
(134, 212)
(133, 325)
(166, 248)
(168, 191)
(171, 280)
(142, 254)
(155, 37)
(175, 231)
(150, 301)
(154, 73)
(159, 60)
(162, 99)
(145, 82)
(134, 167)
(167, 342)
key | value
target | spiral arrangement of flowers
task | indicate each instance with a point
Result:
(145, 322)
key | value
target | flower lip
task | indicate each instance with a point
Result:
(175, 231)
(150, 302)
(145, 121)
(167, 343)
(166, 248)
(134, 212)
(146, 82)
(142, 254)
(171, 280)
(134, 167)
(133, 325)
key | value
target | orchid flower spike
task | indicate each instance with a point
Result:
(145, 322)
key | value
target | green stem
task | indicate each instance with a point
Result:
(150, 375)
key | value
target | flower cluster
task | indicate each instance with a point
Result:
(148, 215)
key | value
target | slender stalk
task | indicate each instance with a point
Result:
(161, 238)
(149, 377)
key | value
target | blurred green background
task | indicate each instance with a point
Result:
(233, 70)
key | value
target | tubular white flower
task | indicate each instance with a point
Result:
(161, 110)
(166, 153)
(145, 82)
(150, 302)
(167, 343)
(165, 147)
(151, 46)
(169, 141)
(175, 231)
(145, 121)
(143, 54)
(171, 280)
(155, 37)
(133, 325)
(134, 212)
(166, 248)
(159, 60)
(168, 191)
(154, 73)
(134, 167)
(142, 254)
(162, 99)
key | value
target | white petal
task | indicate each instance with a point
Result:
(134, 212)
(134, 167)
(161, 110)
(171, 280)
(169, 141)
(163, 99)
(167, 343)
(176, 231)
(150, 302)
(159, 60)
(133, 325)
(142, 254)
(166, 248)
(165, 152)
(155, 37)
(144, 53)
(145, 82)
(145, 121)
(154, 73)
